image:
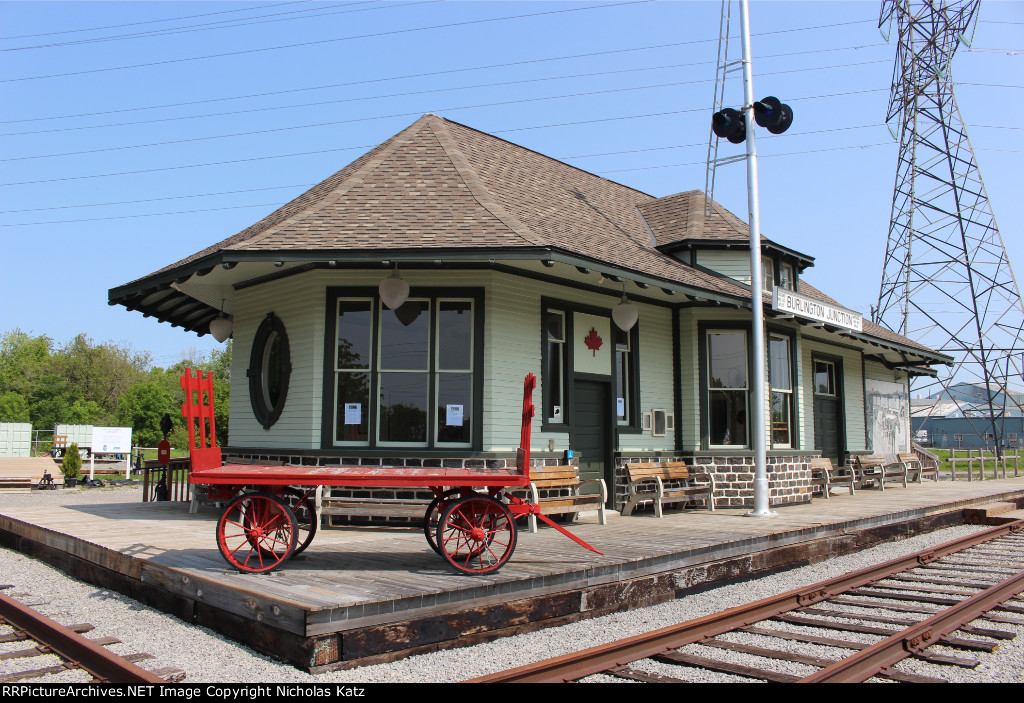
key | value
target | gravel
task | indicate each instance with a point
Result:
(207, 657)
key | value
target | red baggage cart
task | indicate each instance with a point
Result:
(270, 516)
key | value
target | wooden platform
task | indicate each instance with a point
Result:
(377, 593)
(25, 472)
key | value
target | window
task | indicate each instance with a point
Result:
(727, 388)
(767, 273)
(787, 277)
(824, 378)
(405, 377)
(781, 384)
(269, 371)
(562, 338)
(623, 377)
(555, 355)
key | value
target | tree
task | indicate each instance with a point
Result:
(71, 464)
(23, 359)
(13, 407)
(141, 407)
(100, 373)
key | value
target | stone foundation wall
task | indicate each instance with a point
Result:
(789, 478)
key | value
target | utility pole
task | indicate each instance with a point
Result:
(738, 126)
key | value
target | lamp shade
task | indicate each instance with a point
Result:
(221, 328)
(393, 290)
(625, 314)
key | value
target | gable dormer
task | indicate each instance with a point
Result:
(719, 242)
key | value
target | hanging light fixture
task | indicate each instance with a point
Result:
(393, 290)
(220, 328)
(625, 313)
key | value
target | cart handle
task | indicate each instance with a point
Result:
(523, 454)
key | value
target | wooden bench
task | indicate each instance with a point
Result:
(562, 487)
(878, 469)
(841, 476)
(647, 482)
(821, 476)
(916, 469)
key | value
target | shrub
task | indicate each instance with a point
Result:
(72, 464)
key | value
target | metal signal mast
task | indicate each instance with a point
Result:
(947, 281)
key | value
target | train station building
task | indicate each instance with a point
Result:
(389, 314)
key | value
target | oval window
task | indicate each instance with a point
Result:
(269, 370)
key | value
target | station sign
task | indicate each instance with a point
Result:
(786, 301)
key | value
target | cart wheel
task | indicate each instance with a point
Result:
(305, 517)
(476, 534)
(257, 532)
(433, 514)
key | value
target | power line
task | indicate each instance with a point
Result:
(153, 200)
(436, 90)
(231, 24)
(137, 24)
(437, 73)
(369, 146)
(401, 114)
(279, 204)
(372, 35)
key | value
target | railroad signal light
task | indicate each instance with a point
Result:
(729, 124)
(773, 115)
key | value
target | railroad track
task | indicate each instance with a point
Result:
(65, 649)
(883, 615)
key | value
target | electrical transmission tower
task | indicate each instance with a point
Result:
(947, 281)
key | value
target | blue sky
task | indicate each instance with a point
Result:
(136, 133)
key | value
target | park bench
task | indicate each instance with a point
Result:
(916, 469)
(821, 476)
(878, 469)
(561, 487)
(822, 469)
(647, 482)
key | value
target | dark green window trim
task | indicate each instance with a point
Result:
(703, 327)
(568, 308)
(794, 411)
(267, 411)
(373, 446)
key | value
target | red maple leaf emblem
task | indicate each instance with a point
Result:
(592, 341)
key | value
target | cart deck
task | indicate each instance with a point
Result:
(359, 476)
(271, 516)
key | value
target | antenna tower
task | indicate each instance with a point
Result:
(724, 67)
(947, 281)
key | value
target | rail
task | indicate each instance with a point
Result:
(662, 644)
(76, 651)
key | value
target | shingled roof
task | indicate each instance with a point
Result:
(440, 185)
(441, 189)
(679, 221)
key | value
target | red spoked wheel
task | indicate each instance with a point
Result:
(257, 532)
(476, 534)
(305, 517)
(433, 516)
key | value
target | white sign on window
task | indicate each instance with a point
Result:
(353, 413)
(620, 407)
(454, 413)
